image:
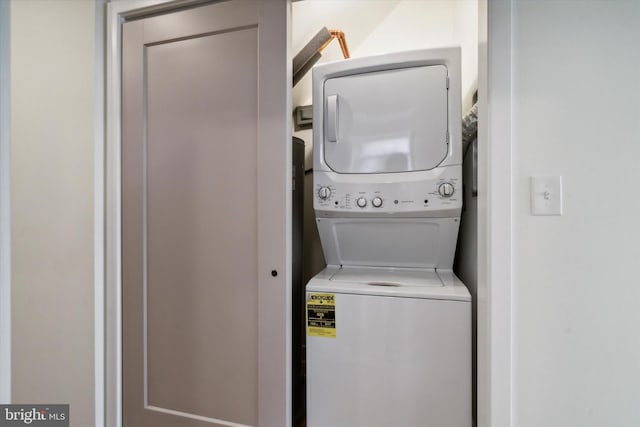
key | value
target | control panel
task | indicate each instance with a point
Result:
(337, 194)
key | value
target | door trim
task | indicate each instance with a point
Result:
(98, 219)
(494, 214)
(5, 202)
(274, 124)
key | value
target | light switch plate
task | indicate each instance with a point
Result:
(546, 195)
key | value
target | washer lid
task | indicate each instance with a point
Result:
(386, 121)
(388, 277)
(408, 283)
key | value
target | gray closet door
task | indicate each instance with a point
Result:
(191, 179)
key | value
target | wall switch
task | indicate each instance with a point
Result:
(546, 195)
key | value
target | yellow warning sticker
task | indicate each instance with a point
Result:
(321, 315)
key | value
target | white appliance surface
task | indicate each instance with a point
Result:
(389, 242)
(390, 345)
(401, 126)
(401, 355)
(401, 282)
(411, 278)
(390, 113)
(387, 158)
(410, 194)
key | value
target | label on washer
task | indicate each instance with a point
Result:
(321, 315)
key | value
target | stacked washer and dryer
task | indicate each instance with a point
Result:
(388, 322)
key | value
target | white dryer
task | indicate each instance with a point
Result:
(388, 323)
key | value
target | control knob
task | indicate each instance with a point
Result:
(446, 189)
(361, 202)
(376, 202)
(324, 193)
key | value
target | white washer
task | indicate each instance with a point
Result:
(388, 323)
(401, 351)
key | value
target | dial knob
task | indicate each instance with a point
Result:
(324, 193)
(376, 202)
(361, 202)
(446, 189)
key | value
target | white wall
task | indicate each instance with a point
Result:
(576, 92)
(52, 139)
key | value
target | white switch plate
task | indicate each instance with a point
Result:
(546, 195)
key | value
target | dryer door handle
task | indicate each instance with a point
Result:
(332, 118)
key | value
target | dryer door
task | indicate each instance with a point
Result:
(386, 121)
